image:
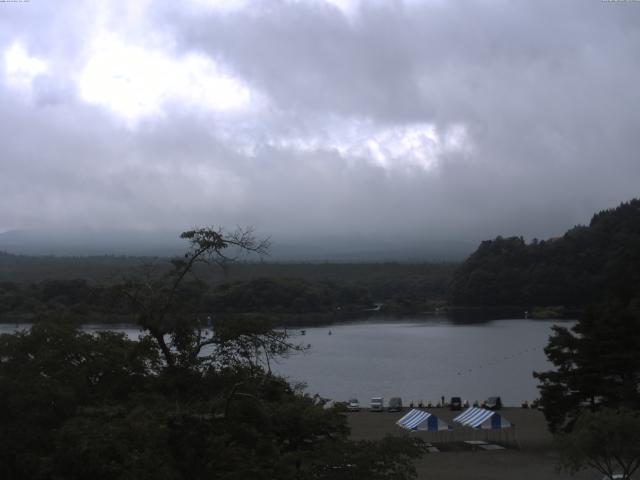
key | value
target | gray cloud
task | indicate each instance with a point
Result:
(423, 121)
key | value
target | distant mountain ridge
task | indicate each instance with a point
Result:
(576, 269)
(347, 248)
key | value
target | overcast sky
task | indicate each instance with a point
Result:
(430, 119)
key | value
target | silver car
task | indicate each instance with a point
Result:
(353, 405)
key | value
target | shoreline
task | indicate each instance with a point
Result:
(535, 458)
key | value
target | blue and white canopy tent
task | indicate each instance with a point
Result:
(488, 420)
(421, 420)
(475, 417)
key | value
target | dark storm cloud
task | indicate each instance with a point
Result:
(545, 90)
(421, 120)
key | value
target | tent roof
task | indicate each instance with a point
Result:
(482, 418)
(421, 420)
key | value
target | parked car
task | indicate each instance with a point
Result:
(493, 403)
(456, 403)
(395, 404)
(353, 405)
(377, 404)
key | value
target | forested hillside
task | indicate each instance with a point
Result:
(576, 269)
(31, 286)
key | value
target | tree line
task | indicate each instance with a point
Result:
(268, 295)
(582, 266)
(403, 288)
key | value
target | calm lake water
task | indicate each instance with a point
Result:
(423, 359)
(416, 359)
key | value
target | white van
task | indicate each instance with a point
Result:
(377, 404)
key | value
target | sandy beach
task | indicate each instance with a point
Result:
(533, 457)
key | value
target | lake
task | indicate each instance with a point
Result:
(423, 359)
(415, 358)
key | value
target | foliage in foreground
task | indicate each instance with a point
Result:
(75, 405)
(608, 441)
(181, 402)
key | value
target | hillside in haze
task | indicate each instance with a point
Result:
(163, 243)
(576, 269)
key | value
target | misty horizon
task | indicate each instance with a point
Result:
(164, 243)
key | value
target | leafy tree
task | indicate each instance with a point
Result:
(597, 363)
(48, 374)
(181, 402)
(607, 440)
(582, 266)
